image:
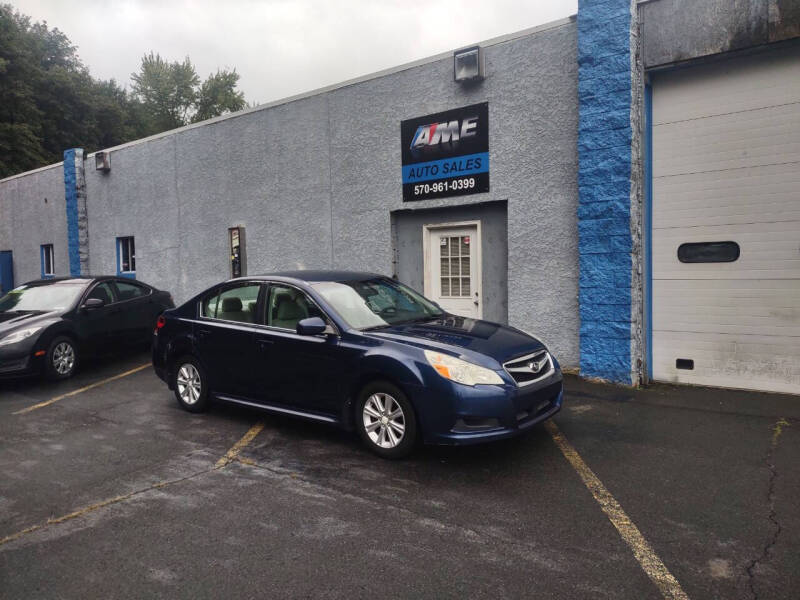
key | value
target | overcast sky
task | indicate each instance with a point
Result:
(282, 47)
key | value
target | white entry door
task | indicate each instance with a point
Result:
(452, 268)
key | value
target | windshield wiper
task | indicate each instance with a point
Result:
(421, 319)
(376, 327)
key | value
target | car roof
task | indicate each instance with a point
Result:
(309, 276)
(82, 279)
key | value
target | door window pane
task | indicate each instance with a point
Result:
(130, 290)
(208, 307)
(102, 291)
(445, 286)
(465, 266)
(237, 304)
(465, 286)
(287, 306)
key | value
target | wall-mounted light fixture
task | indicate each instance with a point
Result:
(468, 64)
(102, 161)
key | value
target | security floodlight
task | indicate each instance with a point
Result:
(468, 64)
(102, 161)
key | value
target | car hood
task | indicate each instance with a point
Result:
(463, 336)
(10, 320)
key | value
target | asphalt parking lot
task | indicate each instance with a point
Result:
(115, 492)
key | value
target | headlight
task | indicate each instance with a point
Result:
(19, 335)
(461, 371)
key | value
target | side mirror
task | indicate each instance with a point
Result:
(93, 303)
(311, 326)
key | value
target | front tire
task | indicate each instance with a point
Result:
(190, 384)
(386, 420)
(61, 359)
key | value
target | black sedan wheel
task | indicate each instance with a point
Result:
(385, 420)
(62, 358)
(190, 384)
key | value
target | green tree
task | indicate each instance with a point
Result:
(218, 95)
(167, 91)
(49, 101)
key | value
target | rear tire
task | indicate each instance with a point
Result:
(385, 420)
(61, 359)
(190, 384)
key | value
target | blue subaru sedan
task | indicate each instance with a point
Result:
(360, 351)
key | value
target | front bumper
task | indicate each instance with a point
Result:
(454, 414)
(19, 363)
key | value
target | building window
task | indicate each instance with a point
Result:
(48, 268)
(126, 257)
(708, 252)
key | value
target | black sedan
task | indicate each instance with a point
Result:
(47, 326)
(357, 350)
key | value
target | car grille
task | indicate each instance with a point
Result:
(530, 368)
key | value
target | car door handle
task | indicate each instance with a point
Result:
(202, 333)
(265, 343)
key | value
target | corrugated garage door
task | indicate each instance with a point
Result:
(726, 168)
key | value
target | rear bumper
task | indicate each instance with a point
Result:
(159, 360)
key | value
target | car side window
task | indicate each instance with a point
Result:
(208, 306)
(287, 306)
(102, 291)
(233, 304)
(128, 291)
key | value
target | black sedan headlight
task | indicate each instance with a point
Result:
(18, 336)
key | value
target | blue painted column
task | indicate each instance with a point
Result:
(75, 195)
(604, 184)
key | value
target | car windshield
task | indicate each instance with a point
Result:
(41, 297)
(376, 302)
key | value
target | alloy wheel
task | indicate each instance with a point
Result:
(63, 358)
(188, 382)
(384, 420)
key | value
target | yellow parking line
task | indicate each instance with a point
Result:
(644, 553)
(233, 453)
(94, 507)
(83, 389)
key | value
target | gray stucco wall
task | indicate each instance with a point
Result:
(679, 30)
(314, 180)
(408, 225)
(32, 213)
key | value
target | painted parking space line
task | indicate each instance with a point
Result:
(651, 564)
(80, 390)
(97, 505)
(227, 458)
(233, 453)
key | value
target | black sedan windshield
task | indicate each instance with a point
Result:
(41, 297)
(376, 302)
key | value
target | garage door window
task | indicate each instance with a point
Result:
(708, 252)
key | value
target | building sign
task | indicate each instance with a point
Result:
(446, 154)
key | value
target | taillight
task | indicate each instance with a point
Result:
(159, 324)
